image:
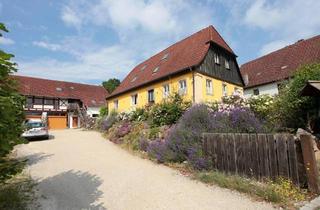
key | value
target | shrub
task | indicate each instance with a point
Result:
(168, 111)
(143, 144)
(158, 150)
(103, 112)
(139, 114)
(291, 110)
(11, 103)
(109, 121)
(123, 129)
(261, 105)
(184, 139)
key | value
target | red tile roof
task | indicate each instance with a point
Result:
(281, 64)
(90, 95)
(182, 55)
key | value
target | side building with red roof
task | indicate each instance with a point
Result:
(201, 68)
(265, 75)
(64, 103)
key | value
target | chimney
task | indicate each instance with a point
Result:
(245, 79)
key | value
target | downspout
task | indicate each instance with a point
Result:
(193, 86)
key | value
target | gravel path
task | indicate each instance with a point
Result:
(81, 170)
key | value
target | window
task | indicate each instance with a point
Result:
(116, 104)
(209, 87)
(237, 91)
(216, 58)
(155, 70)
(165, 56)
(151, 96)
(182, 87)
(224, 90)
(166, 91)
(256, 91)
(143, 67)
(38, 101)
(29, 102)
(134, 79)
(227, 63)
(48, 101)
(134, 99)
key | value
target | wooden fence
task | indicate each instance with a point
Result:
(264, 156)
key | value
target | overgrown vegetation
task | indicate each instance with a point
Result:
(290, 110)
(11, 104)
(281, 191)
(16, 189)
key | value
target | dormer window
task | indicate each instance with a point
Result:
(155, 70)
(143, 67)
(59, 89)
(227, 63)
(134, 79)
(165, 56)
(216, 58)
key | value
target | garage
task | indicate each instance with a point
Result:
(57, 122)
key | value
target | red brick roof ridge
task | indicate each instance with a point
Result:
(90, 95)
(287, 53)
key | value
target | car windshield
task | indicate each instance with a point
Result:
(35, 124)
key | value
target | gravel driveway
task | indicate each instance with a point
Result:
(81, 170)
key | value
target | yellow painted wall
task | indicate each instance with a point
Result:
(217, 93)
(125, 103)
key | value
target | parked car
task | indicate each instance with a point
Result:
(35, 129)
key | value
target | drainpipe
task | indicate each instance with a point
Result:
(193, 86)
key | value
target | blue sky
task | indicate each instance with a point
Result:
(91, 41)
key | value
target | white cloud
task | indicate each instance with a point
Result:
(286, 21)
(95, 66)
(6, 41)
(46, 45)
(71, 18)
(142, 27)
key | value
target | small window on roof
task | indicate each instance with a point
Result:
(72, 88)
(134, 79)
(156, 69)
(143, 67)
(165, 56)
(59, 89)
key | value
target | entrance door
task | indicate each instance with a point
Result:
(74, 122)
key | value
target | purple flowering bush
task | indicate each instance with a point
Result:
(108, 122)
(184, 140)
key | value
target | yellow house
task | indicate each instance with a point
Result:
(201, 68)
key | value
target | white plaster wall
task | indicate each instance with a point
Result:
(93, 110)
(271, 89)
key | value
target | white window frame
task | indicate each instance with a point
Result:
(216, 58)
(224, 89)
(116, 104)
(134, 99)
(166, 91)
(153, 97)
(236, 91)
(227, 63)
(183, 87)
(209, 87)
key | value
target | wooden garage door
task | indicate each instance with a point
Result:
(57, 122)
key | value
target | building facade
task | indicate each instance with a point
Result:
(201, 68)
(64, 104)
(265, 75)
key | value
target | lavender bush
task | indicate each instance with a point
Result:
(184, 139)
(109, 121)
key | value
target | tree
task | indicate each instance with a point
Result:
(111, 84)
(290, 109)
(11, 103)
